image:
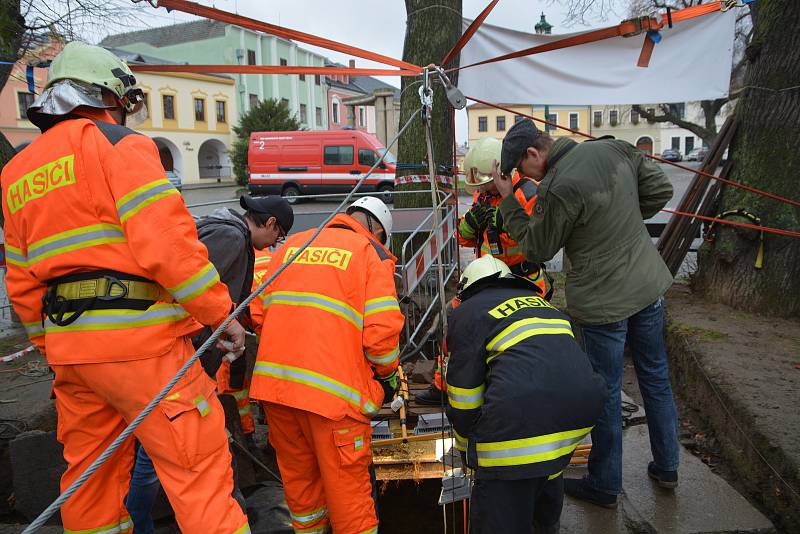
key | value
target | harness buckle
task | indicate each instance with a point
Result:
(640, 24)
(112, 282)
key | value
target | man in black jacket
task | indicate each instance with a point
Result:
(522, 396)
(230, 239)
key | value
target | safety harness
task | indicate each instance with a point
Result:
(68, 297)
(711, 231)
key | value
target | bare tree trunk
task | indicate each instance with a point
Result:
(11, 29)
(766, 156)
(432, 28)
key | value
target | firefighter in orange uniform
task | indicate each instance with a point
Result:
(106, 272)
(481, 228)
(327, 359)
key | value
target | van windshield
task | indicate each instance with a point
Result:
(389, 158)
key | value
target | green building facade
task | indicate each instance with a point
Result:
(211, 42)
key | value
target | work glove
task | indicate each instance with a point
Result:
(389, 385)
(477, 218)
(231, 353)
(497, 219)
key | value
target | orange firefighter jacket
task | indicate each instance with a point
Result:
(511, 254)
(263, 257)
(90, 195)
(331, 323)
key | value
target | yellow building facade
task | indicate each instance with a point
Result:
(486, 121)
(190, 118)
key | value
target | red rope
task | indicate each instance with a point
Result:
(252, 24)
(268, 69)
(749, 226)
(656, 158)
(470, 31)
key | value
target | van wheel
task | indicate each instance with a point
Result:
(385, 191)
(291, 194)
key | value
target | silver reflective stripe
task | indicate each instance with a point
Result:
(311, 379)
(384, 359)
(311, 517)
(15, 258)
(205, 279)
(316, 301)
(138, 199)
(34, 329)
(92, 235)
(154, 315)
(535, 328)
(529, 450)
(474, 400)
(381, 304)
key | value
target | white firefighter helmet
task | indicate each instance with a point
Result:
(378, 209)
(478, 163)
(484, 267)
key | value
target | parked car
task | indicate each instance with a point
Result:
(317, 162)
(671, 154)
(698, 154)
(175, 180)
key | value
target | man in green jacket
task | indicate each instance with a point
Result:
(593, 200)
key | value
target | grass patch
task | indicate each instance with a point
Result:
(703, 334)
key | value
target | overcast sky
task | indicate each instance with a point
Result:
(376, 25)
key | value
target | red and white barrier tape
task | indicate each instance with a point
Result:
(422, 178)
(423, 259)
(12, 357)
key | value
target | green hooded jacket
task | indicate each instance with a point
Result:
(592, 202)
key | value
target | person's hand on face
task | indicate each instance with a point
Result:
(503, 183)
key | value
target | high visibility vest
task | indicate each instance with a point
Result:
(89, 195)
(522, 394)
(331, 323)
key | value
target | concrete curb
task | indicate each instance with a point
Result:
(694, 383)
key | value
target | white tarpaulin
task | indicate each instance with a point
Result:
(692, 62)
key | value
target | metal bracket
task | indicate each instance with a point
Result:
(426, 96)
(454, 94)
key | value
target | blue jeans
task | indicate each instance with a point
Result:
(142, 494)
(605, 344)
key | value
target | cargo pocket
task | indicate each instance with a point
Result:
(353, 444)
(196, 421)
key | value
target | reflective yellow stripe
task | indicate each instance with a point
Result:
(465, 398)
(143, 196)
(316, 530)
(120, 319)
(384, 359)
(525, 328)
(125, 525)
(555, 475)
(314, 380)
(34, 329)
(196, 284)
(14, 256)
(244, 529)
(529, 450)
(380, 304)
(75, 239)
(202, 405)
(461, 443)
(373, 530)
(308, 518)
(318, 301)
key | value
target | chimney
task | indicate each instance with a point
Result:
(352, 63)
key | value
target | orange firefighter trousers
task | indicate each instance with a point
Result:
(184, 435)
(325, 469)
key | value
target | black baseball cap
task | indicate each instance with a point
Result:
(521, 136)
(273, 206)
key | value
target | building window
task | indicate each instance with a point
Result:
(221, 118)
(251, 57)
(253, 100)
(319, 116)
(285, 102)
(302, 77)
(676, 143)
(501, 123)
(553, 120)
(24, 100)
(688, 145)
(338, 155)
(652, 113)
(199, 110)
(598, 119)
(335, 111)
(518, 118)
(482, 124)
(361, 121)
(303, 114)
(634, 116)
(366, 157)
(613, 117)
(168, 104)
(317, 79)
(147, 105)
(284, 62)
(573, 121)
